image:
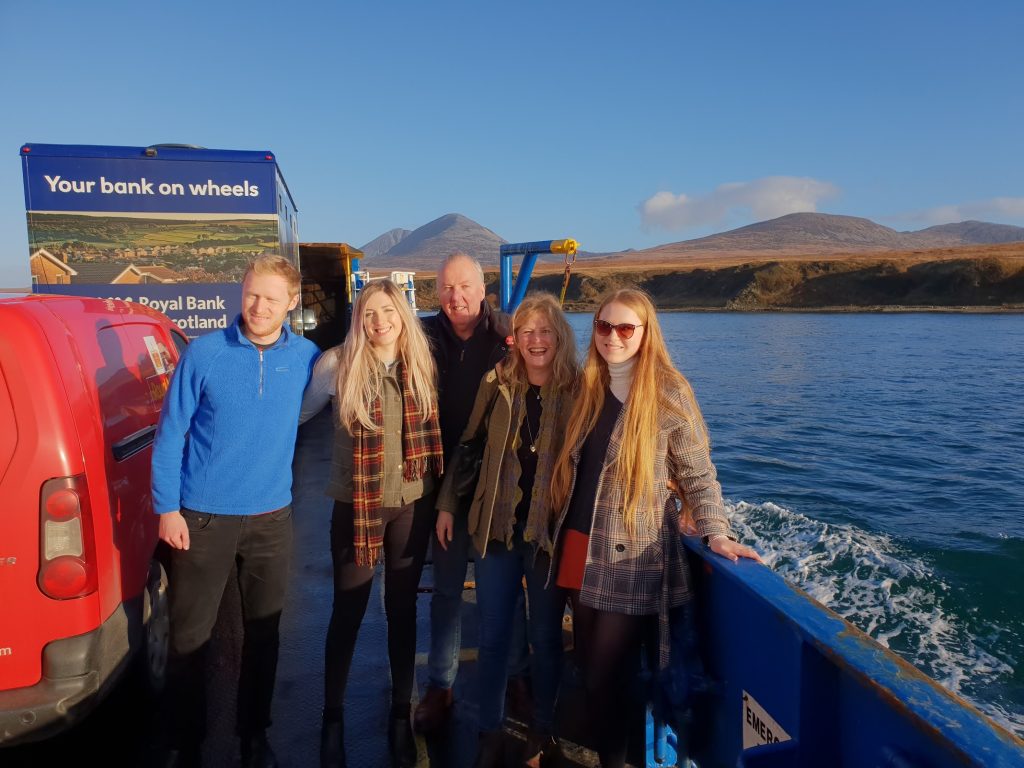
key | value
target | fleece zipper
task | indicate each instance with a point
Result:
(261, 373)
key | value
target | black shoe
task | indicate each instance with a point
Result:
(256, 751)
(542, 749)
(402, 743)
(491, 751)
(332, 744)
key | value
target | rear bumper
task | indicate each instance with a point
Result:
(77, 672)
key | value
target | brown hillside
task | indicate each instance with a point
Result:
(815, 234)
(981, 277)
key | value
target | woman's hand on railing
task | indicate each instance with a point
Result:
(726, 547)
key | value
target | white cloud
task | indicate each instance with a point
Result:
(761, 199)
(995, 208)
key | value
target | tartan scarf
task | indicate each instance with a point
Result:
(422, 453)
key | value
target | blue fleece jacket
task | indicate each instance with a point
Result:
(227, 430)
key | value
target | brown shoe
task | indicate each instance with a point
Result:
(433, 709)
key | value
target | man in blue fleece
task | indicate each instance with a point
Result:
(222, 482)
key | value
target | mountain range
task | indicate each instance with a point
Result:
(426, 247)
(383, 243)
(795, 234)
(818, 233)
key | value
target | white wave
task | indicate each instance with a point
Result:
(884, 590)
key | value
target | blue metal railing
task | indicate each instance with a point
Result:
(512, 293)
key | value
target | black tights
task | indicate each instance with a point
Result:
(406, 534)
(606, 646)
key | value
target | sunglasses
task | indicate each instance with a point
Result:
(624, 330)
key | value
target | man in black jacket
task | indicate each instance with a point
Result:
(468, 338)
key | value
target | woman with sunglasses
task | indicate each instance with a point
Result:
(387, 456)
(635, 433)
(520, 412)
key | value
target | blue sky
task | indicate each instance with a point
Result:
(620, 124)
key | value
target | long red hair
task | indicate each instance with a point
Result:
(654, 376)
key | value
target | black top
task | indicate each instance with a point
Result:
(529, 433)
(460, 366)
(588, 471)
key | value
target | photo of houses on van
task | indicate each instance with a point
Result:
(69, 248)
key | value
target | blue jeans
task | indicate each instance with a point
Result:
(499, 578)
(446, 611)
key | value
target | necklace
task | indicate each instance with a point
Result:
(526, 418)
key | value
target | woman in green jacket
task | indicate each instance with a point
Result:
(520, 411)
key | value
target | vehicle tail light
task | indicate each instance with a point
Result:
(67, 557)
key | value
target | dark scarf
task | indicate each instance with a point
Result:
(421, 453)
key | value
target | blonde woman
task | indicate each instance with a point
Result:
(521, 412)
(635, 431)
(387, 456)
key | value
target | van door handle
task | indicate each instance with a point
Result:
(134, 443)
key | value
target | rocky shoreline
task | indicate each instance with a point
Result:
(985, 284)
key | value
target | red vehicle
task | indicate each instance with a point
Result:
(81, 385)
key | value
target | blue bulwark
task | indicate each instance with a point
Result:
(797, 685)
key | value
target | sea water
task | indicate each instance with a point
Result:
(877, 462)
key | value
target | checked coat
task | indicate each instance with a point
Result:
(637, 576)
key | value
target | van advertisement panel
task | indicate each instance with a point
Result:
(195, 308)
(175, 234)
(132, 248)
(148, 185)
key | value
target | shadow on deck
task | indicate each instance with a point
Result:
(299, 696)
(124, 728)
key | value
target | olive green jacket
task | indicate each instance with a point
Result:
(497, 494)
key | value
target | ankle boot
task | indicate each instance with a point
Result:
(542, 749)
(433, 710)
(332, 744)
(401, 743)
(256, 751)
(491, 751)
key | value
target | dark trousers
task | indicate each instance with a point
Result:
(607, 649)
(407, 531)
(257, 550)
